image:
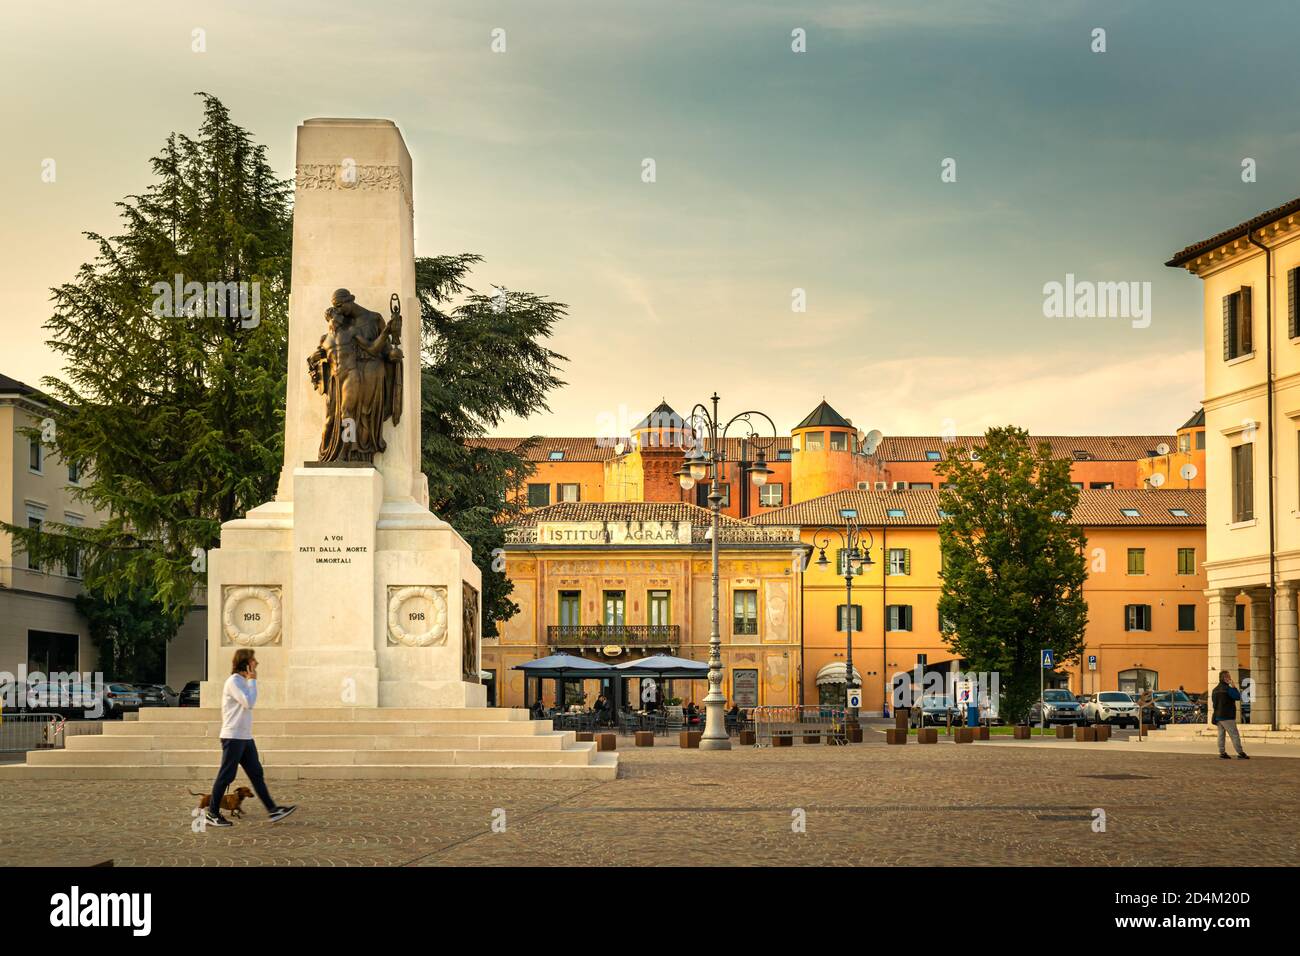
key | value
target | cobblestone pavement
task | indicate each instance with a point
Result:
(869, 804)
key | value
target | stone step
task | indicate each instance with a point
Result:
(555, 740)
(367, 728)
(168, 714)
(578, 755)
(602, 766)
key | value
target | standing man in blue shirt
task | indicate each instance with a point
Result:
(237, 748)
(1225, 699)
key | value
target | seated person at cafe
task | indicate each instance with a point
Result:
(538, 710)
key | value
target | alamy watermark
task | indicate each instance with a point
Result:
(1083, 299)
(242, 300)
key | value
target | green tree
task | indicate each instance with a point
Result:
(483, 359)
(175, 405)
(1013, 565)
(130, 633)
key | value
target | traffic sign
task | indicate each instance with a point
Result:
(1092, 662)
(964, 689)
(1048, 660)
(855, 698)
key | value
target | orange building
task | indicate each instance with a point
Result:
(1147, 620)
(1140, 507)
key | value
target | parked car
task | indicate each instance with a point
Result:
(1061, 707)
(156, 695)
(120, 699)
(66, 700)
(1111, 707)
(1175, 707)
(189, 695)
(936, 710)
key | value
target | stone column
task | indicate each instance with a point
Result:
(1261, 658)
(1222, 647)
(1288, 656)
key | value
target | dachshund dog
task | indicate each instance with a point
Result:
(231, 801)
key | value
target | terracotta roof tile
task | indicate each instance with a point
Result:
(662, 511)
(1099, 447)
(920, 508)
(1236, 232)
(575, 449)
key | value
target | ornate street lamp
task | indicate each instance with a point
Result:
(857, 543)
(699, 464)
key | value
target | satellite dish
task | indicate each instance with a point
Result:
(974, 455)
(1162, 448)
(1188, 472)
(618, 448)
(1157, 480)
(872, 441)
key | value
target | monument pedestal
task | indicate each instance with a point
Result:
(348, 602)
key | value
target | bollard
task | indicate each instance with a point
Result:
(1103, 732)
(812, 738)
(782, 740)
(964, 735)
(1064, 731)
(1087, 734)
(1021, 732)
(902, 716)
(584, 736)
(854, 734)
(689, 739)
(748, 738)
(896, 735)
(981, 732)
(606, 742)
(927, 735)
(645, 738)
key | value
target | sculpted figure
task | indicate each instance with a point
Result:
(358, 368)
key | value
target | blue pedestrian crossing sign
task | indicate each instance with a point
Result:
(1047, 658)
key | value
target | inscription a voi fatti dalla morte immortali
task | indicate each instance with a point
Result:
(332, 550)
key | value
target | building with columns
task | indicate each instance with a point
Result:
(1250, 275)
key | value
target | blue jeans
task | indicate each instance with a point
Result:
(236, 754)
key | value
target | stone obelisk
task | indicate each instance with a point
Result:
(351, 592)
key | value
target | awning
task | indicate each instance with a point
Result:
(565, 665)
(833, 673)
(664, 665)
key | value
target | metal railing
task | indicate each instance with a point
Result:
(827, 722)
(20, 732)
(596, 635)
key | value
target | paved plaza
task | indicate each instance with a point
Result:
(979, 804)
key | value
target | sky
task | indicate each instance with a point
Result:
(774, 171)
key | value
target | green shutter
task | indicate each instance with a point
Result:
(1246, 322)
(1290, 302)
(907, 560)
(1228, 337)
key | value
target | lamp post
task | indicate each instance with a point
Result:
(857, 560)
(701, 464)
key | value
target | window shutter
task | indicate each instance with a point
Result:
(907, 561)
(1246, 322)
(1228, 337)
(908, 609)
(1128, 617)
(1290, 302)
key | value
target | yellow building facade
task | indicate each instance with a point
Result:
(1250, 277)
(1147, 622)
(616, 581)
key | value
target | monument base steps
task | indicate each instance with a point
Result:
(354, 743)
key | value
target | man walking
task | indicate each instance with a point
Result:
(1224, 700)
(237, 748)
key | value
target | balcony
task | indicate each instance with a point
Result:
(623, 635)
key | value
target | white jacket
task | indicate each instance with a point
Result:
(237, 699)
